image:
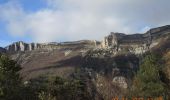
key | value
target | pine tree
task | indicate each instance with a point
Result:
(147, 82)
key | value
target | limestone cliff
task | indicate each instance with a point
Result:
(22, 46)
(136, 43)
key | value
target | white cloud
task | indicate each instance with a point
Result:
(14, 16)
(84, 19)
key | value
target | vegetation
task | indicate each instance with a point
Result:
(43, 88)
(9, 79)
(147, 82)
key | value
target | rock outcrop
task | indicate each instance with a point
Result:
(120, 81)
(115, 42)
(22, 46)
(136, 43)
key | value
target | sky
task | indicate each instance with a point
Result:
(70, 20)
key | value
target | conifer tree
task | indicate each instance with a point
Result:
(147, 82)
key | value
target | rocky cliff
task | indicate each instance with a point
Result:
(135, 43)
(115, 42)
(22, 46)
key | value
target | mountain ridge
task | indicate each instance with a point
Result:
(110, 41)
(37, 58)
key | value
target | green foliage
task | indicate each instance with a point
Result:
(50, 88)
(9, 79)
(73, 89)
(42, 88)
(147, 82)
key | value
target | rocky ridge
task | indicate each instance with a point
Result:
(135, 43)
(110, 63)
(22, 46)
(114, 43)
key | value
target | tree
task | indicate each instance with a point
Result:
(9, 79)
(57, 88)
(147, 82)
(69, 89)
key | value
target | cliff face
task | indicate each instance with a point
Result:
(21, 46)
(135, 43)
(115, 42)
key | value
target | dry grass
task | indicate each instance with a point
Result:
(36, 63)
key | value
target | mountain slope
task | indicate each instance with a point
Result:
(109, 65)
(59, 59)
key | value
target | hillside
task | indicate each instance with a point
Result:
(110, 65)
(48, 58)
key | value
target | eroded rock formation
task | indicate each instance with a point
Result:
(136, 43)
(115, 42)
(21, 46)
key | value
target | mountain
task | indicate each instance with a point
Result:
(110, 63)
(135, 43)
(41, 58)
(48, 58)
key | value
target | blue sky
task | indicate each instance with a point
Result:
(68, 20)
(28, 6)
